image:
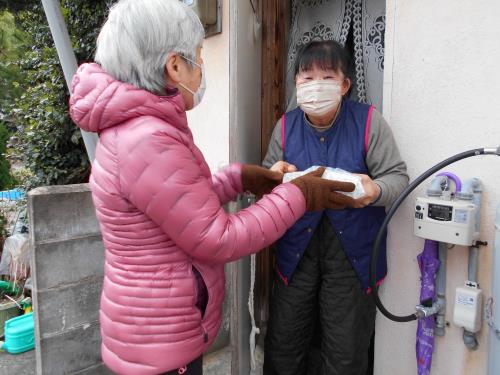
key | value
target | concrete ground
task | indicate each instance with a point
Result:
(217, 363)
(19, 364)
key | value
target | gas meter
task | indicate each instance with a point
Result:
(450, 219)
(208, 12)
(447, 219)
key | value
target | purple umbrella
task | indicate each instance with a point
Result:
(428, 262)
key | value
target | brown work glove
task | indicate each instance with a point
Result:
(322, 194)
(258, 180)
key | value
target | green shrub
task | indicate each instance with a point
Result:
(11, 49)
(46, 141)
(6, 179)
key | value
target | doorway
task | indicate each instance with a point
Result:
(286, 26)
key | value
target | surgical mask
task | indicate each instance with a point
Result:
(198, 95)
(319, 97)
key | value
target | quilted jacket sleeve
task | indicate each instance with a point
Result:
(161, 177)
(227, 183)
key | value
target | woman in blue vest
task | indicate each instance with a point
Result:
(322, 262)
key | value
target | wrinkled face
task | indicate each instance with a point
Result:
(183, 75)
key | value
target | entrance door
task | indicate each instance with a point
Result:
(286, 26)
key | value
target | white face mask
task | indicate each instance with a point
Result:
(198, 95)
(319, 97)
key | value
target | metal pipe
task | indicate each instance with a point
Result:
(454, 178)
(492, 150)
(473, 261)
(470, 188)
(67, 58)
(441, 290)
(470, 339)
(437, 186)
(425, 312)
(472, 191)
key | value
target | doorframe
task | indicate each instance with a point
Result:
(276, 18)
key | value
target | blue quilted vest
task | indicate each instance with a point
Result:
(344, 146)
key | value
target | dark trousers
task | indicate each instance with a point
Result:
(325, 297)
(192, 368)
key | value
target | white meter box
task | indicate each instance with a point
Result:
(468, 307)
(450, 221)
(210, 14)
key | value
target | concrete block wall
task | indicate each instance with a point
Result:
(67, 272)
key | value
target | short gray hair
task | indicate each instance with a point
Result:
(136, 39)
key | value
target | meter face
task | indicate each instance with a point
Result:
(188, 2)
(440, 212)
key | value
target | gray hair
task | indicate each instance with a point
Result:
(136, 39)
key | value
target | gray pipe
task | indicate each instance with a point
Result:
(472, 191)
(441, 291)
(67, 59)
(438, 185)
(494, 323)
(469, 188)
(473, 261)
(492, 150)
(424, 312)
(470, 339)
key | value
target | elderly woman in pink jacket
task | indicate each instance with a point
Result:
(161, 213)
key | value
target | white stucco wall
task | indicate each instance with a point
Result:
(244, 147)
(210, 120)
(440, 97)
(226, 127)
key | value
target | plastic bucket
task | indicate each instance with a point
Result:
(19, 334)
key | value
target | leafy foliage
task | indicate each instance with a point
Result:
(11, 48)
(12, 45)
(6, 179)
(48, 144)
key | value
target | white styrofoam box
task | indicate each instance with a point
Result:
(336, 174)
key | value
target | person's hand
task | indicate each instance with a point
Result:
(283, 167)
(258, 180)
(372, 192)
(323, 194)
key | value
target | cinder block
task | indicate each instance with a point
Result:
(67, 262)
(71, 351)
(61, 212)
(62, 309)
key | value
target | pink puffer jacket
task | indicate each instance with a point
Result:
(161, 213)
